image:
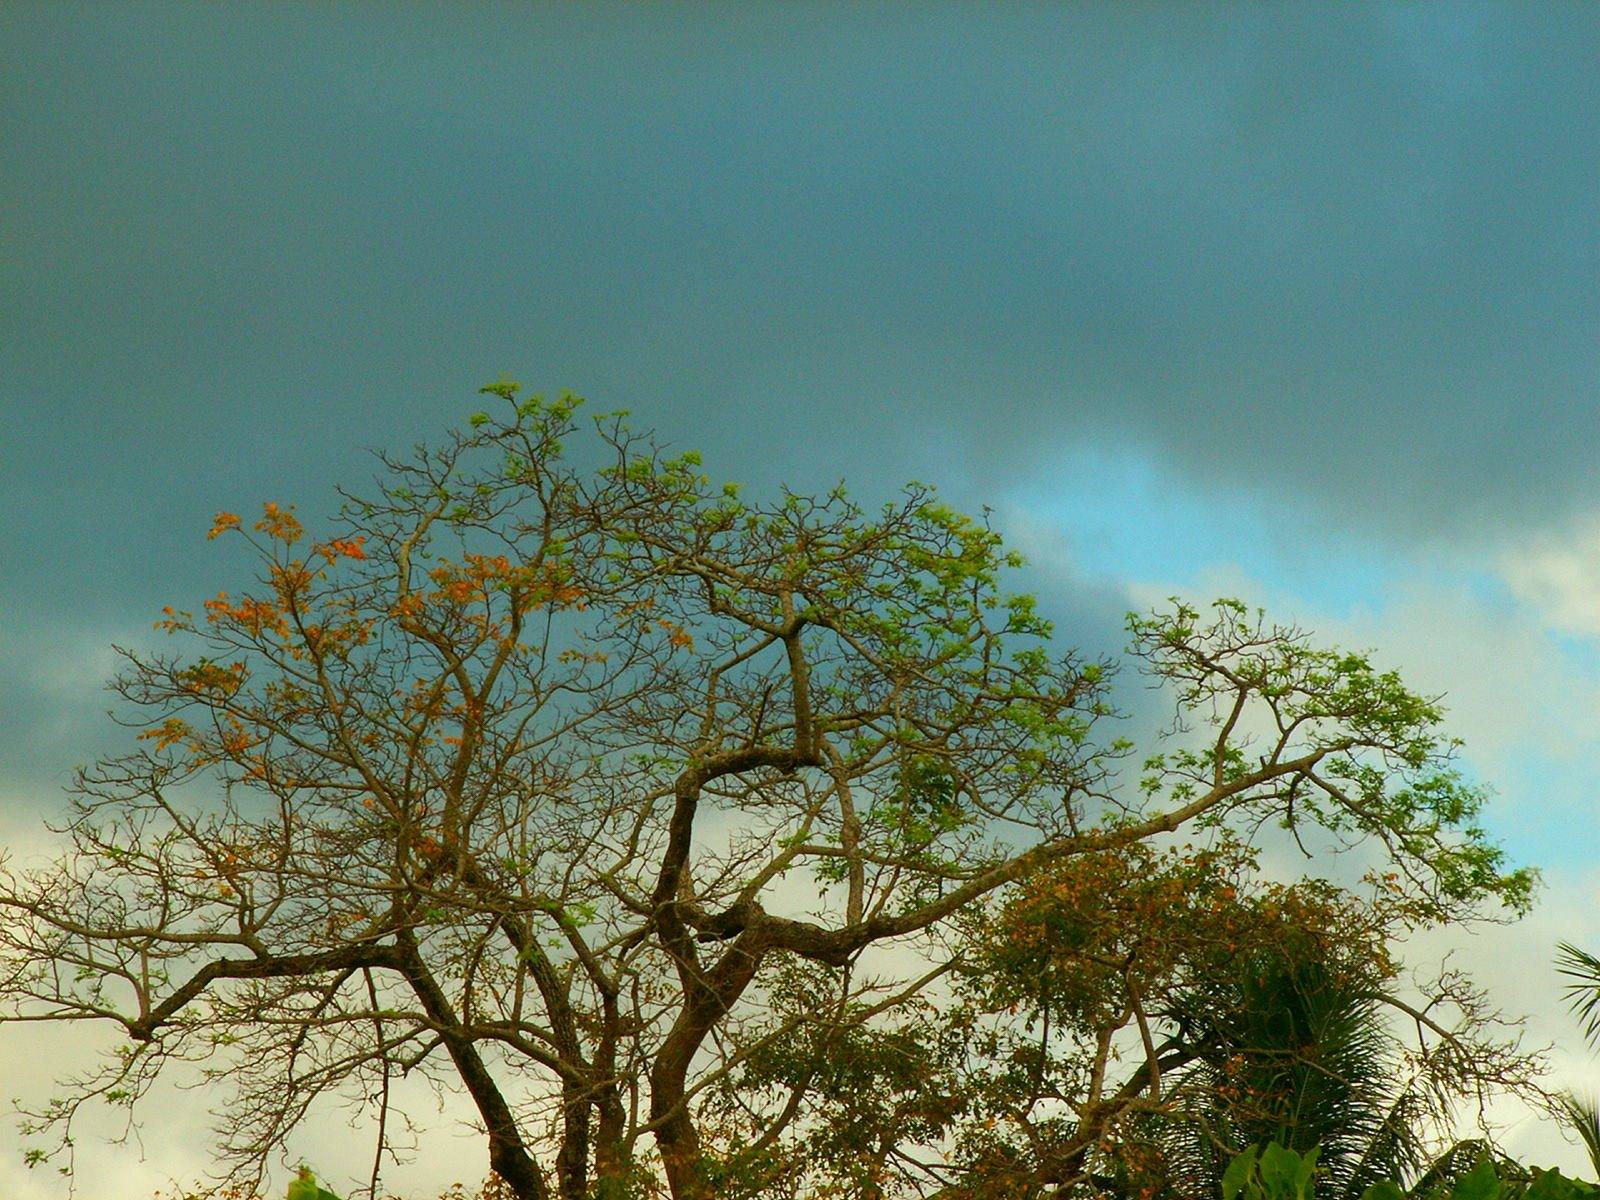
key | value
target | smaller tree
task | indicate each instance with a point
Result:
(1274, 1172)
(1122, 1023)
(1247, 1012)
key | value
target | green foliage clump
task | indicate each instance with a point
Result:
(304, 1186)
(1274, 1172)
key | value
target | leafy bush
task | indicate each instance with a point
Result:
(1274, 1172)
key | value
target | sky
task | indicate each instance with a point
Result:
(1294, 302)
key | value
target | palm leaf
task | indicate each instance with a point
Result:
(1321, 1065)
(1581, 1114)
(1583, 993)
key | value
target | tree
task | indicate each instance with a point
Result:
(1306, 1053)
(1579, 1113)
(555, 786)
(1127, 1021)
(1307, 1060)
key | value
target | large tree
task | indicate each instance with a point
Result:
(558, 784)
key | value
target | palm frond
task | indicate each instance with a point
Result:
(1583, 993)
(1459, 1159)
(1581, 1114)
(1302, 1059)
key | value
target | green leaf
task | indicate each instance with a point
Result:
(1553, 1185)
(1238, 1173)
(1480, 1183)
(305, 1187)
(1280, 1171)
(1307, 1172)
(505, 388)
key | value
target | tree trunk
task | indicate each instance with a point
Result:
(508, 1154)
(572, 1160)
(612, 1161)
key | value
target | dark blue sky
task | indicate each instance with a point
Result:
(1342, 255)
(1335, 267)
(1298, 301)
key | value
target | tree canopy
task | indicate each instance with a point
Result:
(673, 828)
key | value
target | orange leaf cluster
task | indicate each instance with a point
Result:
(326, 639)
(1087, 928)
(408, 606)
(280, 522)
(290, 578)
(169, 732)
(174, 620)
(677, 636)
(532, 586)
(249, 614)
(457, 589)
(221, 523)
(207, 678)
(338, 548)
(484, 566)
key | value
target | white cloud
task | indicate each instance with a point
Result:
(1558, 575)
(1516, 965)
(177, 1120)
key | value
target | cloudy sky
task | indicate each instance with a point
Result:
(1294, 302)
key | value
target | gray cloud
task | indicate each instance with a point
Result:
(1345, 256)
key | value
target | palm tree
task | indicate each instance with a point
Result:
(1305, 1059)
(1583, 993)
(1311, 1064)
(1581, 1114)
